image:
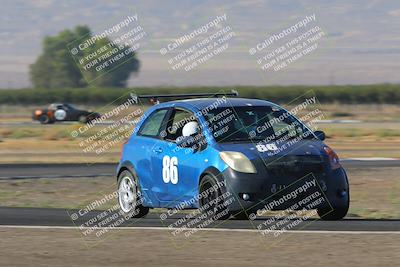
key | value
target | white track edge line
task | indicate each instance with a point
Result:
(203, 229)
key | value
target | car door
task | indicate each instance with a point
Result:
(177, 168)
(142, 154)
(73, 114)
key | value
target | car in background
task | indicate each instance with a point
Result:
(59, 112)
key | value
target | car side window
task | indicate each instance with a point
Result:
(151, 127)
(176, 123)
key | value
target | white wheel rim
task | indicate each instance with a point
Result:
(127, 194)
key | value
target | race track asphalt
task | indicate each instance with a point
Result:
(62, 217)
(32, 171)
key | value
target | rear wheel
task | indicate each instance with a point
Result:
(129, 196)
(212, 201)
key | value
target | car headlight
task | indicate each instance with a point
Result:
(237, 161)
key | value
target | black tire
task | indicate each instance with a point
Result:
(242, 215)
(337, 213)
(217, 208)
(44, 119)
(137, 210)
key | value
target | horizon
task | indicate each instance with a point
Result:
(352, 48)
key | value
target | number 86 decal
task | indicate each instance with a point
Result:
(170, 169)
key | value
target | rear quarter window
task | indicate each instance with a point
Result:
(152, 125)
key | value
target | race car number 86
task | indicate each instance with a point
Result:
(170, 169)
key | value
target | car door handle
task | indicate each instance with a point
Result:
(157, 150)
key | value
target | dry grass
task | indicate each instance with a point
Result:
(378, 137)
(55, 193)
(368, 147)
(374, 192)
(53, 150)
(377, 113)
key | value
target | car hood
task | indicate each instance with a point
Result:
(299, 148)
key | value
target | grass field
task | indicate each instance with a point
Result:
(52, 144)
(62, 151)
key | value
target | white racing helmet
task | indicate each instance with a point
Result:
(190, 128)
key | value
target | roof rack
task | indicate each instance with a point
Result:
(155, 98)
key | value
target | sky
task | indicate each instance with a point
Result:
(359, 42)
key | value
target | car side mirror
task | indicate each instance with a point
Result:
(185, 141)
(320, 134)
(192, 142)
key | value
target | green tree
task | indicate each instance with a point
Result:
(56, 67)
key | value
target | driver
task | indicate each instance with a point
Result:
(190, 129)
(249, 121)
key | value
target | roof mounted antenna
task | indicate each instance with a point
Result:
(155, 99)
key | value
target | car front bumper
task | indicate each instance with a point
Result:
(263, 189)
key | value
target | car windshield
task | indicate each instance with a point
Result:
(254, 123)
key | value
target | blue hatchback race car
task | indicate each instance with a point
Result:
(231, 156)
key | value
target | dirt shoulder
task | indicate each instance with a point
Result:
(129, 247)
(67, 151)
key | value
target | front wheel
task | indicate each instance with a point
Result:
(337, 213)
(212, 198)
(244, 215)
(129, 196)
